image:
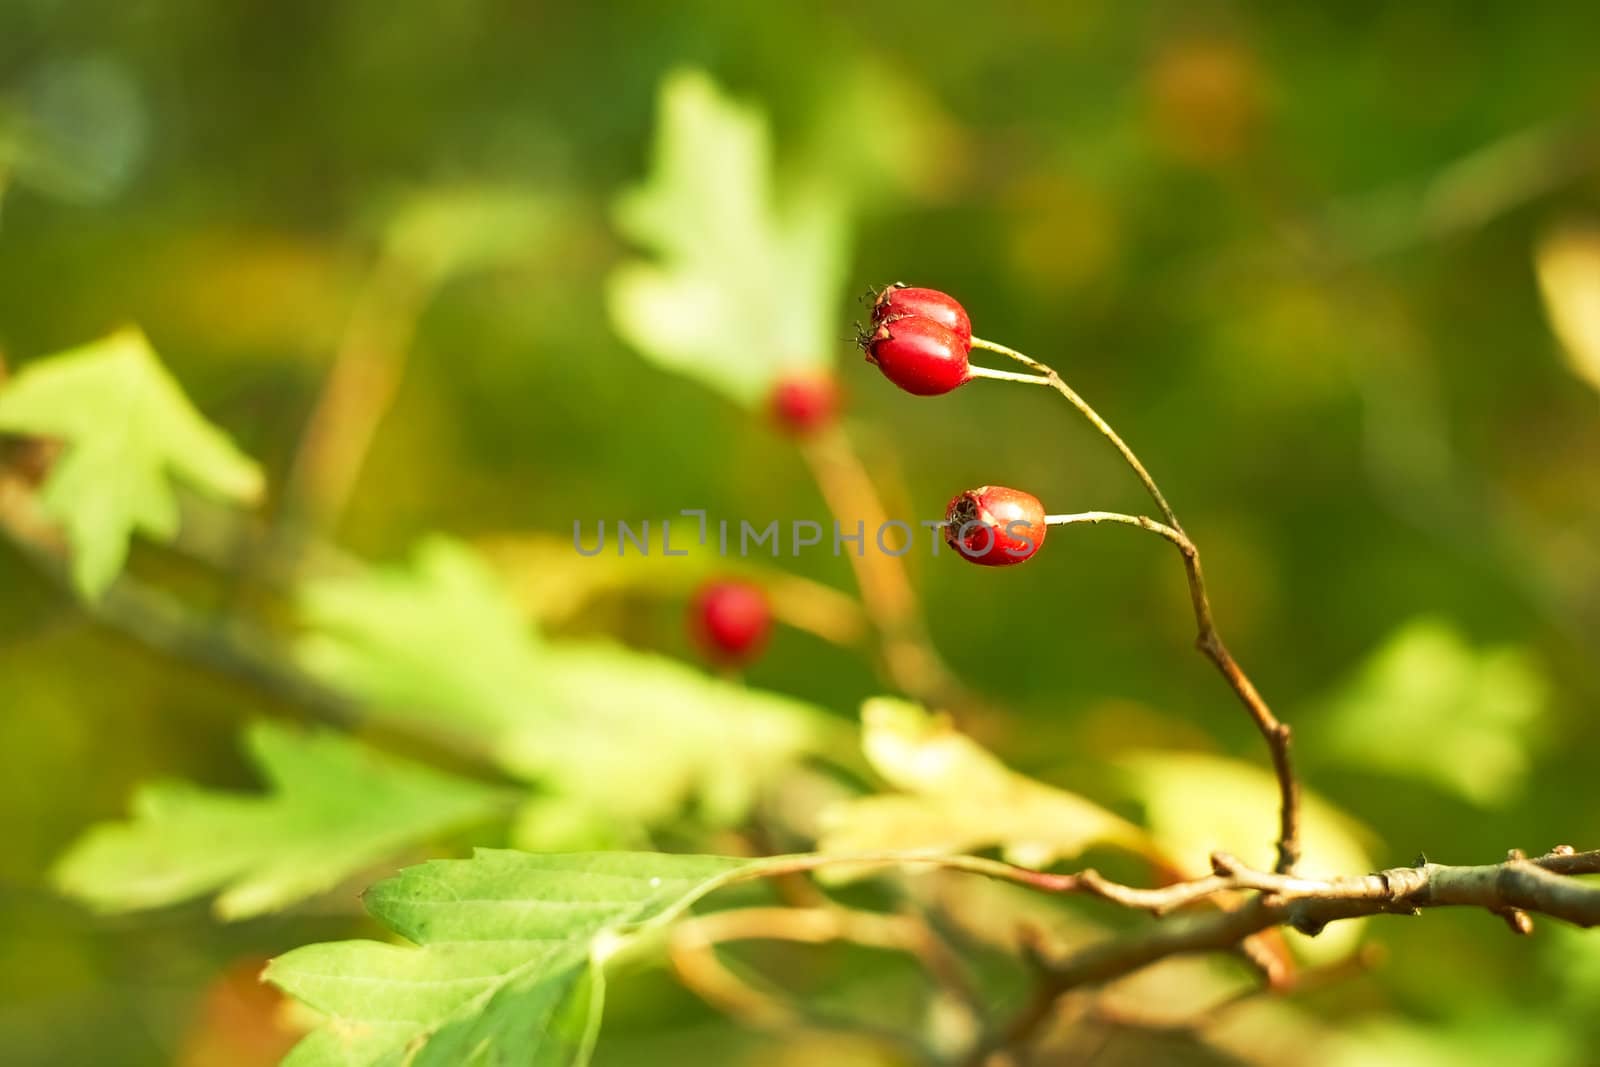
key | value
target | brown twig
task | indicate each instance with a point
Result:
(1540, 886)
(360, 387)
(1208, 640)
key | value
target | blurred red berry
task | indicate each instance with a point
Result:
(918, 355)
(899, 301)
(731, 620)
(995, 526)
(804, 402)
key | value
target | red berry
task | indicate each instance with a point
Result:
(918, 355)
(730, 619)
(805, 401)
(995, 526)
(899, 301)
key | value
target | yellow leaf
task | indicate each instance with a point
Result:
(957, 797)
(1568, 264)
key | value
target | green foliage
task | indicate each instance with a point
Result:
(619, 739)
(640, 738)
(451, 230)
(437, 642)
(507, 967)
(1197, 804)
(335, 808)
(78, 134)
(1428, 706)
(131, 436)
(743, 286)
(1483, 1040)
(956, 797)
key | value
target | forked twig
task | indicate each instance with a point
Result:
(1208, 640)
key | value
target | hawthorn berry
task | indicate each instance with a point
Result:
(919, 355)
(900, 301)
(730, 619)
(804, 402)
(995, 526)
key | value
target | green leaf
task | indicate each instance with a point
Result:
(957, 797)
(1483, 1038)
(1196, 804)
(451, 230)
(641, 738)
(438, 641)
(335, 808)
(507, 965)
(1428, 706)
(619, 738)
(131, 435)
(742, 287)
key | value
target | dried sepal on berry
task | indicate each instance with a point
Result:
(903, 301)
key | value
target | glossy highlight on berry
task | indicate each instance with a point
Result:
(994, 526)
(919, 355)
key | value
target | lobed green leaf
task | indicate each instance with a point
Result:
(507, 963)
(741, 287)
(334, 809)
(131, 437)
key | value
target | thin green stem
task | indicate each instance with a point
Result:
(1054, 380)
(1006, 375)
(1143, 522)
(991, 868)
(1208, 640)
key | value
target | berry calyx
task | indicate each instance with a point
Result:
(919, 355)
(730, 620)
(901, 301)
(995, 526)
(804, 402)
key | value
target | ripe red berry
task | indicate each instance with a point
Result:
(995, 526)
(918, 355)
(731, 620)
(899, 301)
(805, 401)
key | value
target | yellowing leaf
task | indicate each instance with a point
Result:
(742, 287)
(335, 808)
(1568, 264)
(957, 797)
(131, 435)
(1428, 706)
(1197, 804)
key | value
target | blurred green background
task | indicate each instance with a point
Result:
(1289, 250)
